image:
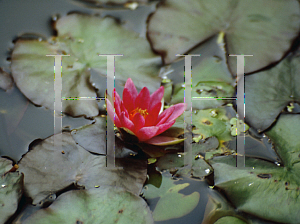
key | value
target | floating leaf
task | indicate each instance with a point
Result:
(231, 220)
(211, 79)
(11, 189)
(268, 92)
(237, 126)
(199, 167)
(92, 137)
(83, 37)
(48, 169)
(260, 187)
(98, 205)
(216, 208)
(250, 27)
(168, 207)
(6, 81)
(212, 122)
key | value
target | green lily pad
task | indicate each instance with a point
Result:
(237, 126)
(260, 187)
(251, 27)
(268, 92)
(48, 169)
(231, 220)
(216, 208)
(200, 168)
(212, 122)
(210, 79)
(11, 190)
(168, 207)
(99, 205)
(83, 37)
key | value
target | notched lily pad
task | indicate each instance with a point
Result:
(98, 205)
(11, 189)
(260, 187)
(250, 27)
(83, 37)
(270, 91)
(48, 169)
(92, 137)
(168, 207)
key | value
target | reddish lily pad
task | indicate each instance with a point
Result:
(83, 37)
(250, 27)
(98, 205)
(48, 169)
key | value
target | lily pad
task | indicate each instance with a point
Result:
(200, 168)
(48, 169)
(83, 37)
(168, 207)
(6, 81)
(99, 205)
(270, 91)
(250, 27)
(211, 79)
(260, 187)
(216, 208)
(11, 189)
(231, 220)
(92, 137)
(212, 122)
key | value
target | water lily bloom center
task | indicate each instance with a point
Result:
(144, 113)
(139, 113)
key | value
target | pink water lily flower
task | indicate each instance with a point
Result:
(140, 113)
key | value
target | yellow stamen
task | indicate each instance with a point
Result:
(144, 113)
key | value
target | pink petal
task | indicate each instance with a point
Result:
(111, 114)
(143, 99)
(146, 133)
(123, 109)
(117, 102)
(110, 109)
(128, 100)
(164, 140)
(117, 121)
(156, 96)
(131, 87)
(165, 115)
(164, 127)
(178, 110)
(126, 122)
(138, 121)
(153, 114)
